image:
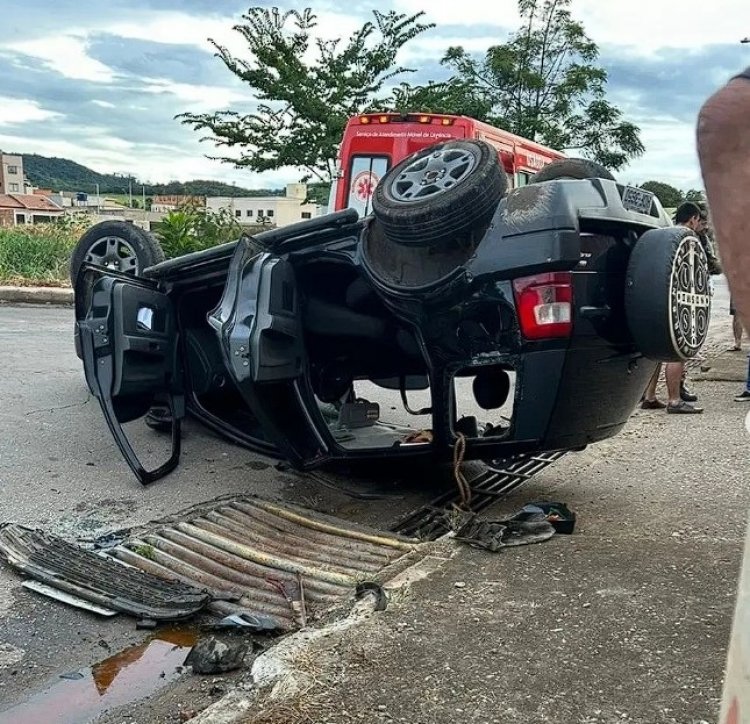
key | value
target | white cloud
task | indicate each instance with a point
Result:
(174, 28)
(671, 155)
(65, 54)
(200, 97)
(644, 26)
(641, 28)
(18, 111)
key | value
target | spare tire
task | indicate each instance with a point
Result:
(667, 295)
(119, 245)
(442, 193)
(571, 168)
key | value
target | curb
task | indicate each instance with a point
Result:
(37, 295)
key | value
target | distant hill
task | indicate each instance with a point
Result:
(62, 174)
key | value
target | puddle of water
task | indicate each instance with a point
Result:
(128, 676)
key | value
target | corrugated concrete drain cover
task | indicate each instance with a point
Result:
(93, 578)
(280, 563)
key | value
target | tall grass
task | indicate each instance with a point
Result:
(36, 254)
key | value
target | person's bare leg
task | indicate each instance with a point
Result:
(650, 394)
(737, 329)
(673, 373)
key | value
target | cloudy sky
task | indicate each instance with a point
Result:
(100, 82)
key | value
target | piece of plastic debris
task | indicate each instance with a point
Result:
(145, 623)
(252, 622)
(459, 584)
(72, 676)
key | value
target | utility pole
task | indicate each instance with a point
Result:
(130, 191)
(98, 201)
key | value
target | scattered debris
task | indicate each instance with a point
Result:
(63, 597)
(253, 622)
(147, 624)
(372, 588)
(97, 579)
(211, 656)
(494, 482)
(534, 523)
(459, 584)
(72, 676)
(496, 534)
(281, 564)
(558, 515)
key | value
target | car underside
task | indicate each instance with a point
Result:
(518, 325)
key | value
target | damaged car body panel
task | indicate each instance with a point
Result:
(265, 340)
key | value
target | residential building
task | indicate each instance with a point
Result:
(11, 174)
(270, 210)
(27, 209)
(166, 203)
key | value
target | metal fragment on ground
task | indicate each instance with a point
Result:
(99, 580)
(264, 559)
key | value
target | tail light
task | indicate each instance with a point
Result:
(545, 305)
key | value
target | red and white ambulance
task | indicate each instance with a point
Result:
(374, 142)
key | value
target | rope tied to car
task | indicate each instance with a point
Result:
(464, 489)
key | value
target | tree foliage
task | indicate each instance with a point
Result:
(696, 196)
(669, 196)
(543, 84)
(306, 87)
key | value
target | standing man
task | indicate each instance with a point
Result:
(681, 400)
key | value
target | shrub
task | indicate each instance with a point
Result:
(37, 253)
(189, 229)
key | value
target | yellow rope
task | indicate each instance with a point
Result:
(464, 489)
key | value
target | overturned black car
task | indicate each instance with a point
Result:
(521, 321)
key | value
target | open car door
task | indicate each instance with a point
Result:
(129, 346)
(258, 323)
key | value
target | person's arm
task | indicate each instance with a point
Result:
(724, 151)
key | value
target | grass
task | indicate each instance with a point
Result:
(36, 254)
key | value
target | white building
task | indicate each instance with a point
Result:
(271, 210)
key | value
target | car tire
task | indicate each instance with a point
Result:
(440, 194)
(667, 295)
(118, 244)
(571, 168)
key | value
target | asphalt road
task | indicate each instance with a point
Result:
(59, 469)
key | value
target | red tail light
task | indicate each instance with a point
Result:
(545, 305)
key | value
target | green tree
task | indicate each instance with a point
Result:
(544, 84)
(669, 196)
(303, 105)
(696, 196)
